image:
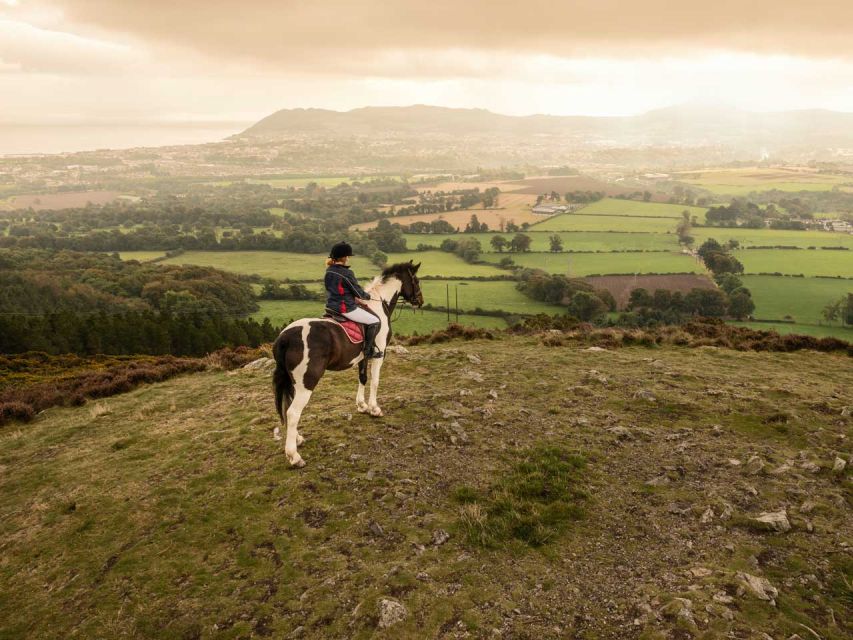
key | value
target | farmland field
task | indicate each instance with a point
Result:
(269, 264)
(64, 200)
(439, 263)
(323, 181)
(582, 222)
(843, 333)
(536, 185)
(461, 186)
(620, 287)
(585, 264)
(818, 262)
(619, 207)
(512, 208)
(773, 237)
(282, 312)
(490, 295)
(572, 241)
(141, 256)
(741, 182)
(802, 299)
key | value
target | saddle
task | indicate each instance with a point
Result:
(353, 330)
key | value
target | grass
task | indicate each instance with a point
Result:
(170, 511)
(533, 503)
(440, 263)
(585, 264)
(792, 261)
(741, 182)
(141, 256)
(585, 222)
(773, 237)
(580, 241)
(803, 299)
(408, 322)
(323, 181)
(618, 207)
(491, 295)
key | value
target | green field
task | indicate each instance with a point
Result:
(496, 294)
(617, 207)
(584, 264)
(741, 182)
(323, 181)
(409, 321)
(269, 264)
(440, 263)
(583, 222)
(818, 262)
(580, 241)
(802, 299)
(141, 256)
(773, 237)
(844, 333)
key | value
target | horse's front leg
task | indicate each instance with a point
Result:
(375, 368)
(361, 405)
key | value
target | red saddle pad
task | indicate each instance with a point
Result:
(354, 330)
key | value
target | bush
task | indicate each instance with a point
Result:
(20, 411)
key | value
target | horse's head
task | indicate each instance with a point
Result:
(406, 273)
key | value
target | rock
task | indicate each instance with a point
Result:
(595, 376)
(846, 412)
(734, 462)
(700, 572)
(465, 392)
(423, 576)
(773, 521)
(439, 537)
(258, 420)
(807, 506)
(707, 516)
(376, 529)
(659, 481)
(621, 433)
(493, 394)
(838, 465)
(720, 611)
(808, 465)
(758, 587)
(391, 612)
(754, 465)
(449, 413)
(679, 609)
(645, 394)
(397, 348)
(476, 376)
(722, 597)
(595, 349)
(474, 359)
(727, 511)
(263, 365)
(781, 470)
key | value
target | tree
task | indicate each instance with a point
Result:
(520, 243)
(498, 243)
(639, 298)
(556, 243)
(741, 305)
(586, 306)
(728, 282)
(709, 303)
(831, 311)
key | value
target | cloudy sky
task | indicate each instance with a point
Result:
(215, 61)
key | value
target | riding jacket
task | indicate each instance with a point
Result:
(343, 289)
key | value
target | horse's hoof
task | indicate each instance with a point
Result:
(363, 408)
(376, 412)
(298, 464)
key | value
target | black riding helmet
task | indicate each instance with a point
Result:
(340, 250)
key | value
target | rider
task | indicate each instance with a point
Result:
(345, 296)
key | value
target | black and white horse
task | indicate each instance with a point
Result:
(306, 348)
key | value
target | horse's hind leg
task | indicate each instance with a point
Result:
(372, 404)
(362, 380)
(294, 412)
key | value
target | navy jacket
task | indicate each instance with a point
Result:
(343, 288)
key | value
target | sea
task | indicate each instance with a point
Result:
(18, 139)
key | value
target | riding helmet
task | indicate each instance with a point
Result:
(340, 250)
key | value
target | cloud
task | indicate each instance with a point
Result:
(322, 34)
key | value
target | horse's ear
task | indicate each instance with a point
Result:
(415, 267)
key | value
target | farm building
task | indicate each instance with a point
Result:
(549, 209)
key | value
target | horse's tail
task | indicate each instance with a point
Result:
(282, 380)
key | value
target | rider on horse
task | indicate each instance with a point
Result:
(345, 295)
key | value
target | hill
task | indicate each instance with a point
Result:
(594, 493)
(673, 125)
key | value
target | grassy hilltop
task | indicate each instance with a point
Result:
(587, 493)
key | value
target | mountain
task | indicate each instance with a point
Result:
(680, 125)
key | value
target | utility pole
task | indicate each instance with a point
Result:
(447, 291)
(456, 291)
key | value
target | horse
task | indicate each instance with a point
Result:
(307, 348)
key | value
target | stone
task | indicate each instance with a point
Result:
(595, 349)
(397, 348)
(595, 376)
(263, 365)
(679, 609)
(465, 392)
(721, 597)
(449, 413)
(734, 462)
(773, 521)
(808, 465)
(391, 612)
(621, 433)
(757, 586)
(754, 465)
(476, 376)
(700, 572)
(493, 394)
(659, 481)
(846, 412)
(376, 529)
(645, 394)
(439, 537)
(707, 516)
(474, 359)
(838, 465)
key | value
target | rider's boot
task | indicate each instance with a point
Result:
(370, 350)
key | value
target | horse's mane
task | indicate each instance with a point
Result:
(393, 270)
